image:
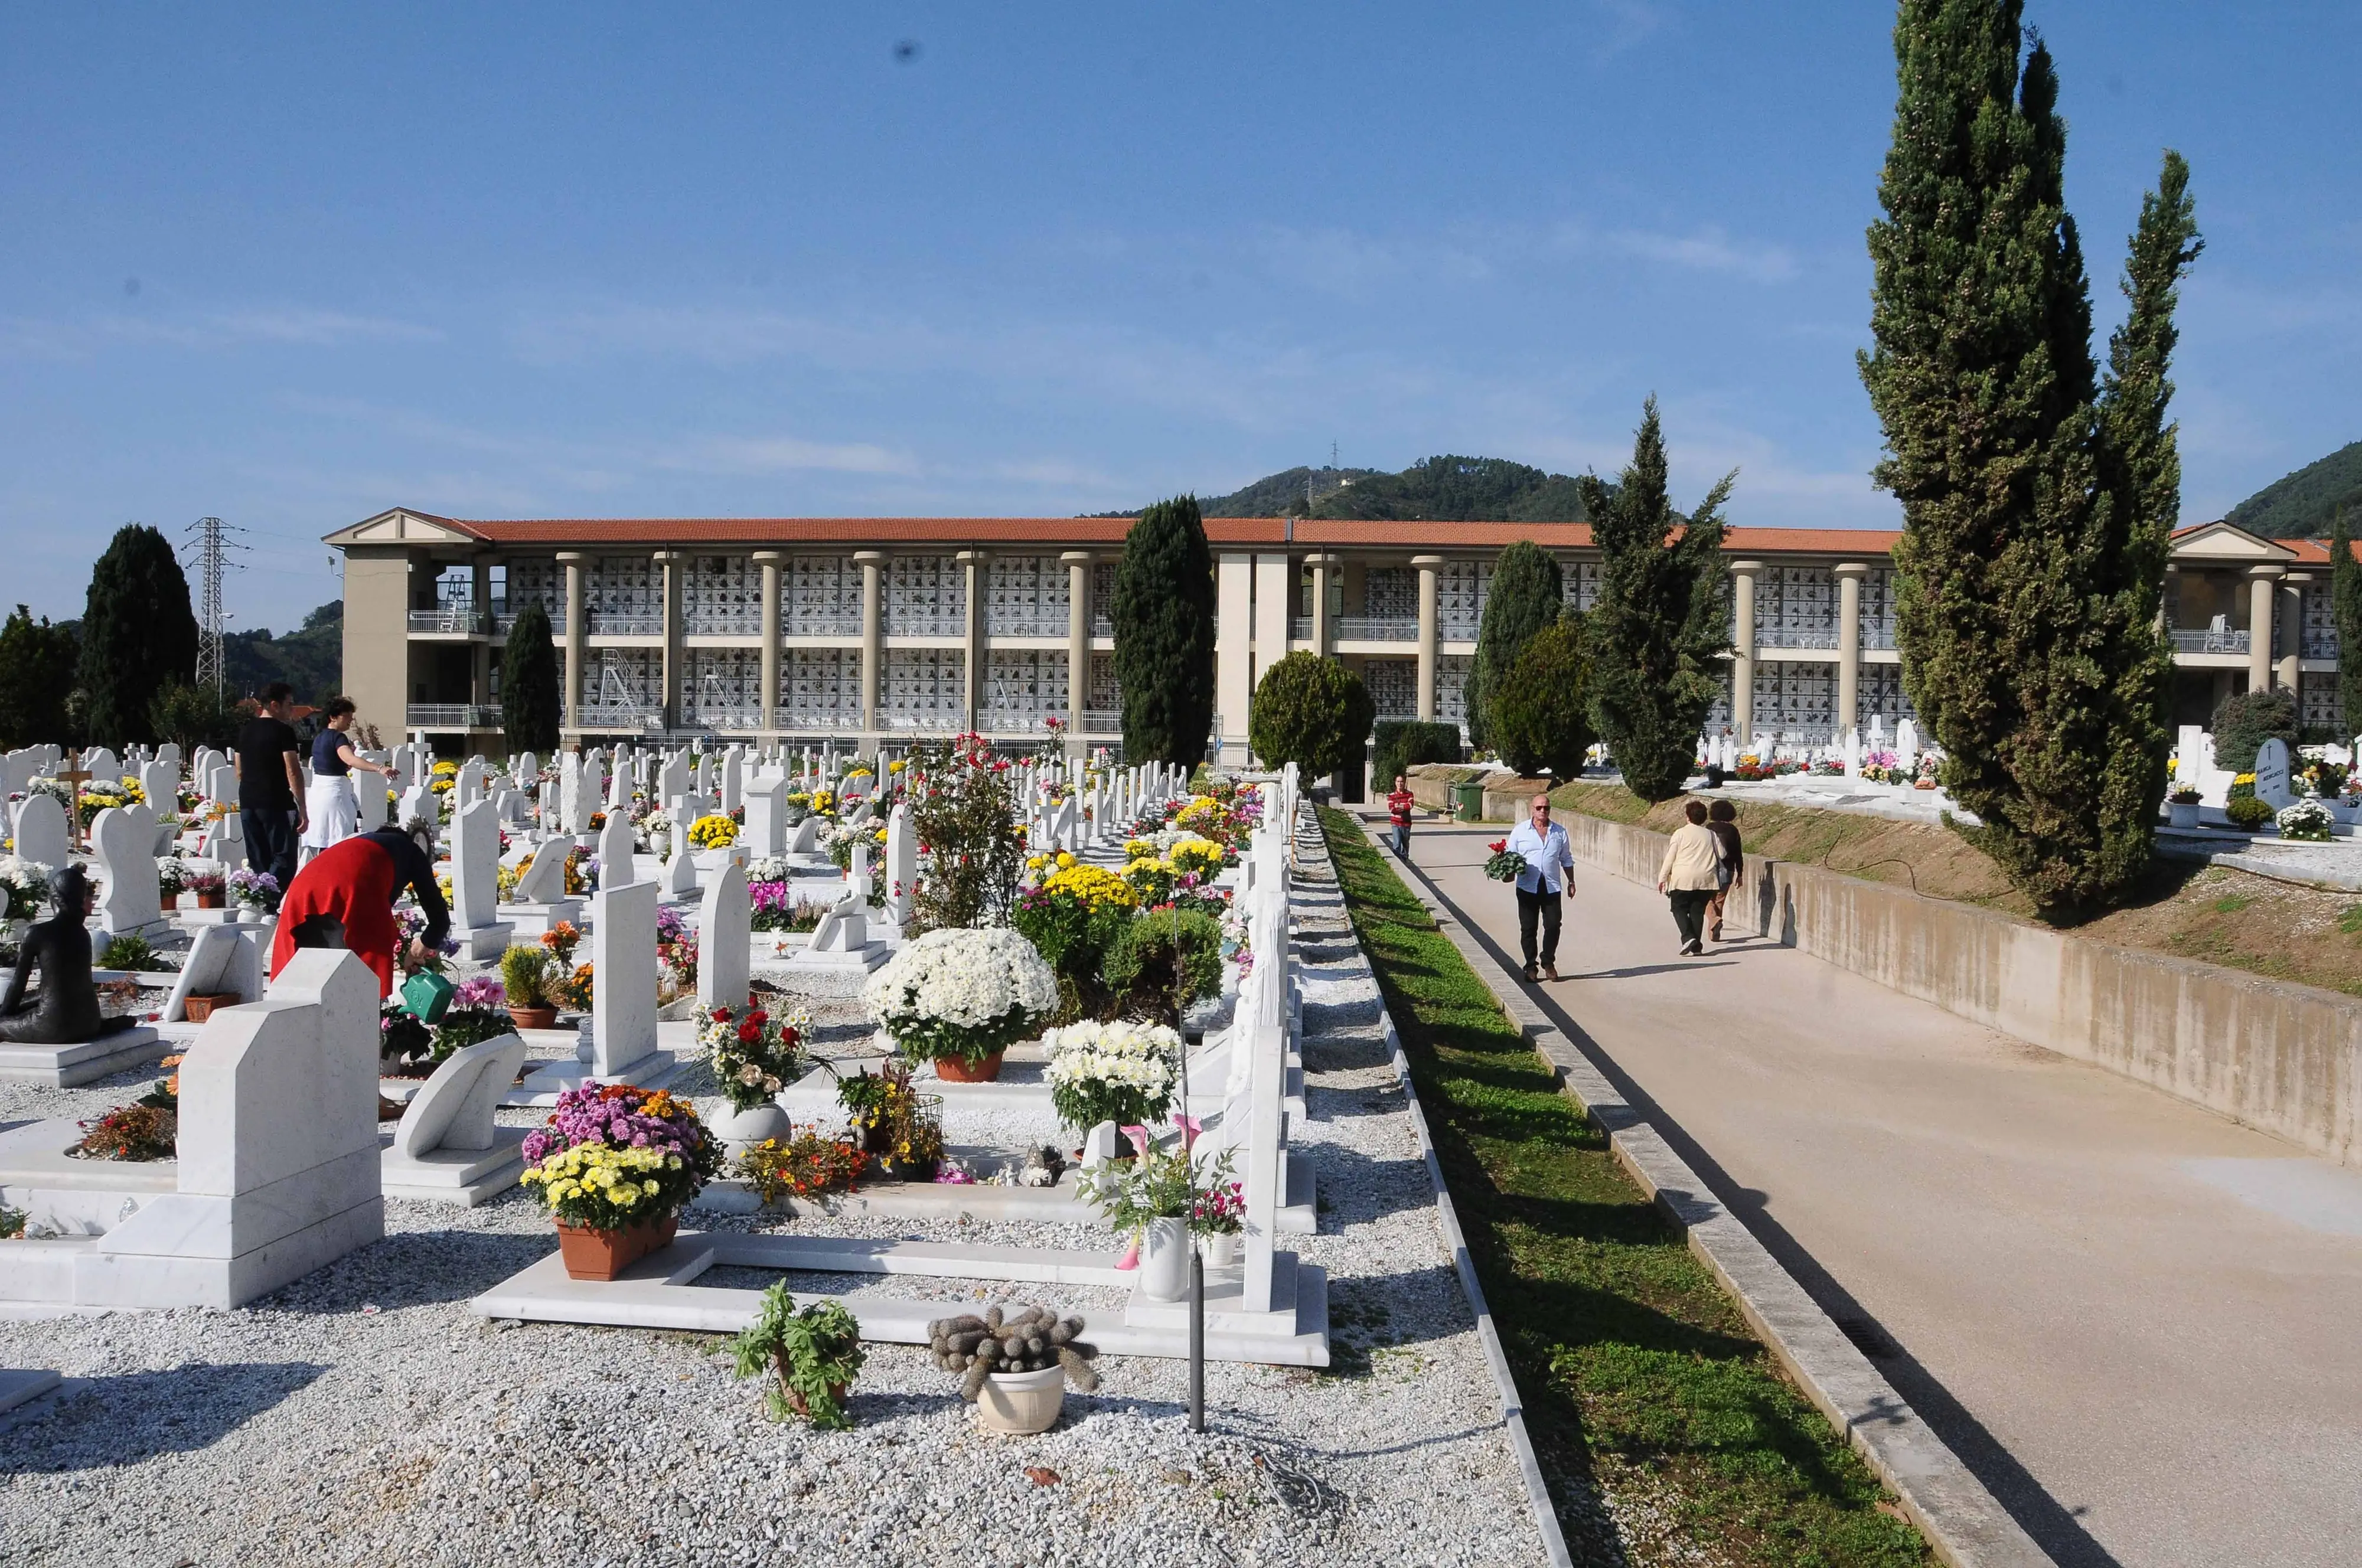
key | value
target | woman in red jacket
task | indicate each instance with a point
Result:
(344, 898)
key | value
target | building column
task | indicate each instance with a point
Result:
(1233, 650)
(977, 566)
(1275, 608)
(479, 647)
(873, 635)
(675, 565)
(577, 633)
(1742, 650)
(1849, 575)
(768, 693)
(2291, 647)
(1078, 645)
(1430, 637)
(1321, 567)
(2259, 625)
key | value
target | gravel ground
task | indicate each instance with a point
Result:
(364, 1416)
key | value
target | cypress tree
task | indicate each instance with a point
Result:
(1163, 622)
(139, 635)
(37, 675)
(1525, 597)
(531, 707)
(2036, 505)
(2346, 599)
(1541, 708)
(1662, 619)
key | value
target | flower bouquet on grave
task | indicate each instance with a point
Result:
(257, 891)
(962, 997)
(404, 1041)
(712, 832)
(477, 1013)
(1506, 865)
(132, 1133)
(899, 1129)
(1120, 1072)
(615, 1164)
(24, 887)
(2307, 821)
(755, 1053)
(803, 1164)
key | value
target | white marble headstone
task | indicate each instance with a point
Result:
(623, 978)
(124, 841)
(723, 930)
(2272, 774)
(41, 830)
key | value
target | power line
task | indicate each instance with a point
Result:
(211, 538)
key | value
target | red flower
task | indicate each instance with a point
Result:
(721, 1015)
(758, 1016)
(750, 1033)
(1497, 846)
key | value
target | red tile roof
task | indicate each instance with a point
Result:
(1089, 531)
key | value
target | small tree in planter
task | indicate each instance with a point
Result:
(526, 973)
(962, 997)
(970, 852)
(814, 1353)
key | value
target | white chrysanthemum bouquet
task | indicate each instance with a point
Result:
(1120, 1072)
(964, 993)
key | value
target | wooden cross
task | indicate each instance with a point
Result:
(73, 775)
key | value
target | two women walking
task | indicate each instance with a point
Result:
(1703, 862)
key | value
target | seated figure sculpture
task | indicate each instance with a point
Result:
(66, 1012)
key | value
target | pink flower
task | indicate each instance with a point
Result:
(1191, 1127)
(1139, 1136)
(1130, 1258)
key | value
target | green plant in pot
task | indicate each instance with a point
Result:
(813, 1353)
(525, 976)
(898, 1127)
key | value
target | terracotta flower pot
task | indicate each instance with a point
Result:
(533, 1017)
(209, 900)
(797, 1402)
(958, 1070)
(604, 1254)
(200, 1008)
(168, 900)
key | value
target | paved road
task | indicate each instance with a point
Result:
(2138, 1323)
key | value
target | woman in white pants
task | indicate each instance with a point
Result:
(330, 800)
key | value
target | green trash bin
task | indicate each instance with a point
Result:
(1468, 801)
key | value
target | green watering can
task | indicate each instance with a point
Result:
(426, 995)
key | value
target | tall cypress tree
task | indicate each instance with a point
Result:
(139, 635)
(36, 674)
(2037, 506)
(531, 707)
(1524, 597)
(2346, 600)
(1662, 620)
(1163, 622)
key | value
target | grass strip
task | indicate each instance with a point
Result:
(1642, 1379)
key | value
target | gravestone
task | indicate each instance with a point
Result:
(766, 816)
(623, 979)
(619, 785)
(679, 877)
(804, 844)
(901, 866)
(123, 839)
(593, 791)
(102, 765)
(417, 805)
(470, 785)
(672, 779)
(615, 851)
(526, 770)
(278, 1166)
(476, 925)
(574, 813)
(541, 902)
(41, 830)
(223, 960)
(160, 782)
(168, 753)
(733, 781)
(723, 928)
(2189, 755)
(2272, 774)
(449, 1148)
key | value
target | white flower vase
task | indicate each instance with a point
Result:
(743, 1130)
(2181, 815)
(1222, 1250)
(1164, 1261)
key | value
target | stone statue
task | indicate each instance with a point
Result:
(66, 1012)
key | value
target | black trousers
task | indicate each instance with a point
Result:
(270, 843)
(1689, 911)
(1543, 907)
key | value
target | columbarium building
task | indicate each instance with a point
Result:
(869, 630)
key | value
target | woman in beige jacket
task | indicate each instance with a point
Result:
(1690, 876)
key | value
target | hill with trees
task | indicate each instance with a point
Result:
(2299, 505)
(1442, 489)
(311, 659)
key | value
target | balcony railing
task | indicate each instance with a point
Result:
(1878, 637)
(617, 623)
(1102, 626)
(1016, 721)
(1377, 629)
(458, 620)
(2321, 647)
(1796, 636)
(821, 624)
(718, 717)
(821, 721)
(2205, 640)
(1110, 722)
(939, 723)
(504, 617)
(622, 718)
(450, 716)
(733, 622)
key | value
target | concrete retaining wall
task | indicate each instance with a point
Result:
(2283, 1057)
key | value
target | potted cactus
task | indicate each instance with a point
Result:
(814, 1353)
(1014, 1367)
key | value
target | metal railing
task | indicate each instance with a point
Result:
(1016, 721)
(504, 617)
(734, 623)
(450, 716)
(2200, 640)
(1376, 629)
(1044, 625)
(821, 721)
(1109, 722)
(1102, 626)
(2321, 647)
(1878, 637)
(1796, 636)
(831, 623)
(458, 620)
(621, 717)
(720, 718)
(609, 624)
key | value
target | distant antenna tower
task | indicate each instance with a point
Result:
(211, 537)
(1332, 454)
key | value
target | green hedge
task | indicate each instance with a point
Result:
(1404, 744)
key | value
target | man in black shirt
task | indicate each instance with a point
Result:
(271, 785)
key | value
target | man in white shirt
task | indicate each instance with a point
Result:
(1549, 858)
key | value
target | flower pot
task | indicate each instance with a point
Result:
(2181, 815)
(797, 1402)
(892, 1169)
(1164, 1261)
(1021, 1402)
(1222, 1250)
(197, 1009)
(604, 1254)
(533, 1017)
(743, 1130)
(168, 900)
(209, 900)
(959, 1070)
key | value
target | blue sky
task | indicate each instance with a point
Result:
(294, 265)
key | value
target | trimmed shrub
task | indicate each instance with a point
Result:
(1162, 950)
(1312, 711)
(1540, 709)
(1524, 600)
(2247, 811)
(1404, 744)
(2243, 723)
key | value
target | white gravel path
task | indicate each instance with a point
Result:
(364, 1416)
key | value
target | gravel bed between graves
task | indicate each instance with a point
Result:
(364, 1416)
